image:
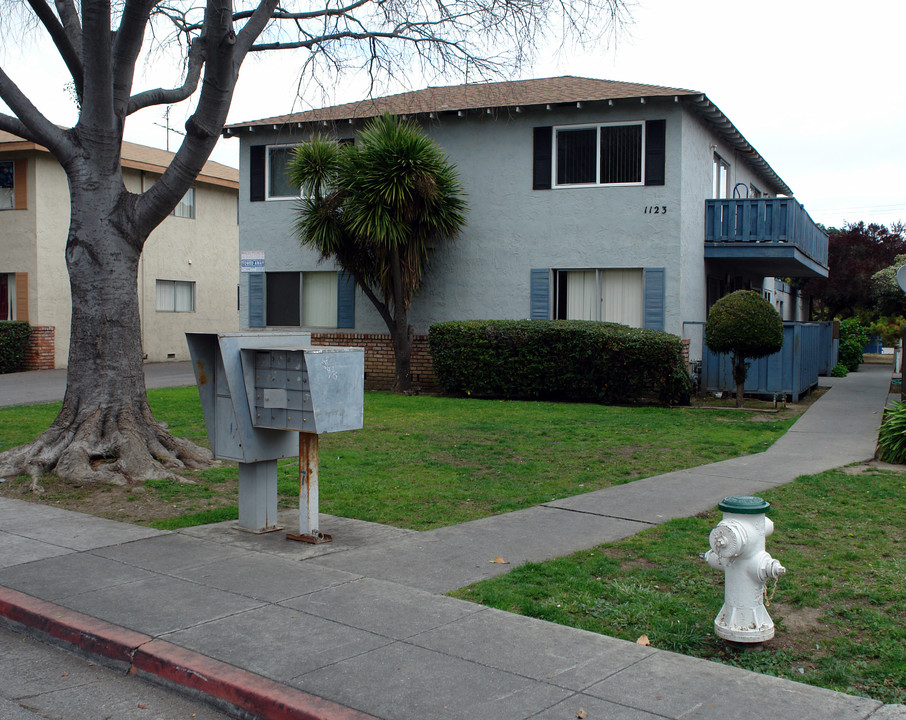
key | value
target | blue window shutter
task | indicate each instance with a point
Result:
(654, 298)
(345, 300)
(256, 172)
(655, 152)
(542, 155)
(256, 300)
(540, 294)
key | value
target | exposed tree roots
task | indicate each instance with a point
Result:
(124, 446)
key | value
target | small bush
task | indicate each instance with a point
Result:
(572, 360)
(839, 370)
(892, 436)
(13, 344)
(853, 339)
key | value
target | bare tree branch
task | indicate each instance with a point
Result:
(69, 17)
(62, 40)
(127, 45)
(29, 123)
(160, 96)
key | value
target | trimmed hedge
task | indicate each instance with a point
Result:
(572, 360)
(13, 343)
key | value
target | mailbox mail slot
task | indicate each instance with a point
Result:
(305, 388)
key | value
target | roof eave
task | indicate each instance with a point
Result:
(721, 124)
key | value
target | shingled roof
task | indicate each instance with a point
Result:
(141, 157)
(517, 94)
(477, 96)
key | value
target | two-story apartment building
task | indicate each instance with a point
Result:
(588, 199)
(187, 273)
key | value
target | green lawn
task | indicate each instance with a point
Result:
(422, 462)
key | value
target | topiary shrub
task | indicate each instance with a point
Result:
(13, 344)
(892, 435)
(853, 339)
(572, 360)
(745, 325)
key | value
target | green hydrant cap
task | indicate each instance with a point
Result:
(744, 505)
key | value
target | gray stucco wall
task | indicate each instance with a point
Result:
(512, 228)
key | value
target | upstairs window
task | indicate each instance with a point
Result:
(721, 178)
(175, 296)
(599, 155)
(7, 185)
(186, 207)
(278, 185)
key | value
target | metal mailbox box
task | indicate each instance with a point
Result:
(307, 389)
(257, 391)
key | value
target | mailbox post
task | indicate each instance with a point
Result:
(257, 390)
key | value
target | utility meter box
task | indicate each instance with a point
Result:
(307, 389)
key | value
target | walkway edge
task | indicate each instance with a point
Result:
(168, 663)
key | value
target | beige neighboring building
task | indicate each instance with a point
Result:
(187, 276)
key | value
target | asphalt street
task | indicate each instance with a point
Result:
(43, 682)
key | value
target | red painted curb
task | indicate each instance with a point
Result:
(85, 632)
(240, 688)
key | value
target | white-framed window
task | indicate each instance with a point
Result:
(302, 299)
(603, 154)
(605, 294)
(754, 192)
(175, 296)
(186, 207)
(7, 185)
(720, 178)
(277, 183)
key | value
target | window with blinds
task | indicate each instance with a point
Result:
(599, 155)
(175, 296)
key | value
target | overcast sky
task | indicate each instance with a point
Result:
(817, 87)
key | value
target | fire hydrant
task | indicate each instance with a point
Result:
(737, 548)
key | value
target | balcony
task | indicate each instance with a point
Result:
(770, 236)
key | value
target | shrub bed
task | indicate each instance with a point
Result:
(13, 344)
(571, 360)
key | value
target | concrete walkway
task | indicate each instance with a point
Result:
(359, 628)
(44, 386)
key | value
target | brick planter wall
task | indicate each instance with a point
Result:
(40, 352)
(379, 363)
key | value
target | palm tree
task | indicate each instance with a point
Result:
(377, 207)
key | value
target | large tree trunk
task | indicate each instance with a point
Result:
(105, 430)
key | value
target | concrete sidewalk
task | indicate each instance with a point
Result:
(44, 386)
(358, 628)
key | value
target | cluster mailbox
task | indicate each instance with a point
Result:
(257, 391)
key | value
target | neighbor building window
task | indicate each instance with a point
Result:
(7, 185)
(278, 183)
(7, 296)
(186, 207)
(599, 155)
(175, 296)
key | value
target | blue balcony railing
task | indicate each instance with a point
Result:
(776, 221)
